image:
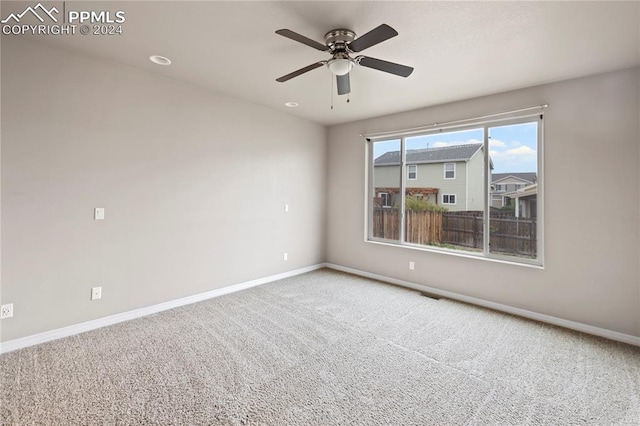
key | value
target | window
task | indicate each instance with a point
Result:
(412, 172)
(451, 208)
(449, 170)
(448, 198)
(385, 200)
(385, 181)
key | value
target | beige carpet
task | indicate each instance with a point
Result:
(324, 348)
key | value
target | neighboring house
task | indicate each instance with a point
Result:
(449, 176)
(525, 201)
(504, 183)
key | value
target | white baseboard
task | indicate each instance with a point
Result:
(47, 336)
(585, 328)
(71, 330)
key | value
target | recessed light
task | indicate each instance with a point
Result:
(291, 104)
(160, 60)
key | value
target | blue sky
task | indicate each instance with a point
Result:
(512, 148)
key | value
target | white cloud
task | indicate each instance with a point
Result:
(522, 158)
(522, 151)
(496, 143)
(441, 144)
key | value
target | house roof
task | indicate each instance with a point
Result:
(431, 155)
(527, 191)
(529, 177)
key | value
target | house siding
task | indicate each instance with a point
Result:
(435, 174)
(430, 175)
(387, 177)
(475, 170)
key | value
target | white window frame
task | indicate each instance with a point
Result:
(388, 198)
(445, 171)
(455, 199)
(486, 123)
(409, 166)
(449, 203)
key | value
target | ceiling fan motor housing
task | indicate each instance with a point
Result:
(337, 40)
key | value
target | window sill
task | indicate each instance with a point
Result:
(535, 264)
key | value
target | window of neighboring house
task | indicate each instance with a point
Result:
(449, 170)
(448, 198)
(462, 214)
(385, 199)
(412, 172)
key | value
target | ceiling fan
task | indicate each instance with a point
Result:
(340, 44)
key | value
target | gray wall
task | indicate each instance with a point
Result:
(193, 183)
(592, 250)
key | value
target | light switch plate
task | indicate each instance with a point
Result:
(98, 213)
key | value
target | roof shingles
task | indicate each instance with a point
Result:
(525, 176)
(431, 155)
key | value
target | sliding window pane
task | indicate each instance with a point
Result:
(445, 201)
(514, 190)
(386, 197)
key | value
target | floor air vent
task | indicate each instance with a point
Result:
(430, 295)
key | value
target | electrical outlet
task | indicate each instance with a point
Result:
(286, 208)
(6, 311)
(412, 266)
(286, 256)
(96, 293)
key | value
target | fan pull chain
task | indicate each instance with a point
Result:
(331, 91)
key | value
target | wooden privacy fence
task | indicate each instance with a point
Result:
(423, 227)
(508, 235)
(461, 230)
(386, 223)
(514, 236)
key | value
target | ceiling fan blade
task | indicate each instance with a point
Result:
(302, 39)
(300, 71)
(373, 37)
(344, 86)
(390, 67)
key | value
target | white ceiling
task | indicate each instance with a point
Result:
(459, 49)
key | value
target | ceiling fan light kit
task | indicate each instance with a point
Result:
(340, 43)
(340, 66)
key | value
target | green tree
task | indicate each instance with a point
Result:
(510, 207)
(421, 204)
